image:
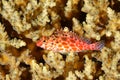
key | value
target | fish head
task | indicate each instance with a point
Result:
(40, 41)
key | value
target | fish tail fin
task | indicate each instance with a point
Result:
(97, 45)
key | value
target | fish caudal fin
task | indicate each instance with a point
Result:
(97, 45)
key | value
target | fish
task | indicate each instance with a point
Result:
(67, 41)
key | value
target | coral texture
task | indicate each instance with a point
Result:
(23, 22)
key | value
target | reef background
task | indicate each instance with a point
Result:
(23, 22)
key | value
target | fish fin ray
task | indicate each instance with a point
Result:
(86, 40)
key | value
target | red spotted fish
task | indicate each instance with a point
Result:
(67, 41)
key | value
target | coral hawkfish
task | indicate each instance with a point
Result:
(67, 41)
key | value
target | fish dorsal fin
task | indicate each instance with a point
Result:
(86, 40)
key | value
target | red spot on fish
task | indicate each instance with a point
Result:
(66, 46)
(64, 38)
(74, 48)
(64, 43)
(59, 45)
(71, 44)
(72, 40)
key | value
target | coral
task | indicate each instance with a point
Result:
(3, 38)
(5, 41)
(94, 23)
(23, 22)
(19, 42)
(13, 16)
(71, 76)
(88, 70)
(110, 61)
(13, 65)
(55, 61)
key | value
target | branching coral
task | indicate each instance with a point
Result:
(19, 42)
(3, 38)
(23, 22)
(95, 14)
(71, 76)
(110, 60)
(88, 71)
(13, 66)
(55, 61)
(71, 8)
(13, 16)
(5, 41)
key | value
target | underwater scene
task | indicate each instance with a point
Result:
(59, 39)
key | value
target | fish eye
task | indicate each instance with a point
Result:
(43, 40)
